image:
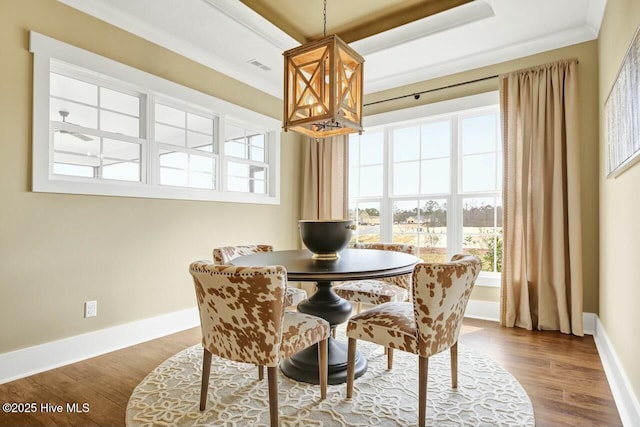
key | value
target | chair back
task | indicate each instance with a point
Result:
(225, 254)
(241, 310)
(404, 281)
(440, 296)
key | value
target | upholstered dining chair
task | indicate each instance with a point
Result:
(225, 254)
(243, 319)
(426, 326)
(377, 291)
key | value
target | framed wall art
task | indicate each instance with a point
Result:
(622, 113)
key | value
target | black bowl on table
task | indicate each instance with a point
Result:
(325, 238)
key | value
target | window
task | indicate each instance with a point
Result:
(433, 180)
(246, 164)
(100, 127)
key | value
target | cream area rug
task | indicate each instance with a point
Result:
(487, 395)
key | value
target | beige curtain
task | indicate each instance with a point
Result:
(325, 178)
(542, 264)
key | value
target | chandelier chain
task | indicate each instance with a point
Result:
(324, 12)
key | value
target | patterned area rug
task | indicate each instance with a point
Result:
(487, 395)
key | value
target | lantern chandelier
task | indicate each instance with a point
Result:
(323, 87)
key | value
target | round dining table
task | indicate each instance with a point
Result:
(353, 264)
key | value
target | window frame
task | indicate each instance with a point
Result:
(388, 122)
(47, 50)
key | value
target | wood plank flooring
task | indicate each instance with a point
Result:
(561, 373)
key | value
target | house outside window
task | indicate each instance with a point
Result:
(432, 177)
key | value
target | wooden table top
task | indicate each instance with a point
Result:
(353, 264)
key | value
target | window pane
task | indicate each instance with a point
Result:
(406, 178)
(201, 164)
(76, 160)
(120, 102)
(122, 171)
(233, 132)
(80, 115)
(406, 222)
(173, 159)
(73, 170)
(435, 176)
(199, 123)
(238, 184)
(257, 141)
(436, 139)
(406, 144)
(170, 135)
(258, 172)
(366, 217)
(481, 235)
(354, 150)
(74, 90)
(479, 173)
(433, 230)
(371, 181)
(200, 141)
(259, 187)
(371, 151)
(235, 149)
(175, 177)
(84, 152)
(120, 150)
(238, 169)
(170, 116)
(257, 154)
(119, 123)
(354, 182)
(479, 134)
(201, 180)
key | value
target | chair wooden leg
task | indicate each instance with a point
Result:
(206, 370)
(351, 368)
(389, 357)
(260, 372)
(272, 378)
(323, 367)
(423, 369)
(454, 365)
(358, 307)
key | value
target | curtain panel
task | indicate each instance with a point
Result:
(542, 254)
(325, 178)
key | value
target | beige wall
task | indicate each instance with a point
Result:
(588, 83)
(130, 254)
(58, 251)
(619, 207)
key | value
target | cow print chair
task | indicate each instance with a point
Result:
(243, 319)
(426, 326)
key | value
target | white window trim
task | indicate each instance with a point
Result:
(467, 104)
(43, 180)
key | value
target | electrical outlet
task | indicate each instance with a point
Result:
(90, 308)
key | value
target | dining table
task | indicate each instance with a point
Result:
(352, 264)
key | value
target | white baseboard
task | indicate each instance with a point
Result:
(626, 400)
(589, 321)
(484, 310)
(32, 360)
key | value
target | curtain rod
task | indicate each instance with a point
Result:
(416, 95)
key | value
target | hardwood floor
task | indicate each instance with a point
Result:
(561, 373)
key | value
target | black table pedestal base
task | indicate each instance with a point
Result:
(303, 366)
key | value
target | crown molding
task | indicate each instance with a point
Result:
(482, 59)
